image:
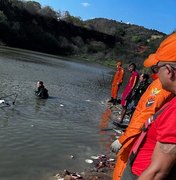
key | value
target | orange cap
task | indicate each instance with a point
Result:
(151, 60)
(165, 52)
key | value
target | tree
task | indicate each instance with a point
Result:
(3, 18)
(4, 25)
(49, 12)
(32, 6)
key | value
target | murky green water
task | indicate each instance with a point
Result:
(37, 137)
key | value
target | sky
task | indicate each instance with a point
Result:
(152, 14)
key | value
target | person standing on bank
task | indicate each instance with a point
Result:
(150, 102)
(128, 90)
(153, 156)
(41, 92)
(137, 92)
(117, 81)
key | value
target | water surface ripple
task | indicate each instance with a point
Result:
(37, 137)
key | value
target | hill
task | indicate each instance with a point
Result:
(25, 24)
(137, 41)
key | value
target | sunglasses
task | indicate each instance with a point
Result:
(156, 67)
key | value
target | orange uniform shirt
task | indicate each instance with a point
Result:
(118, 78)
(118, 75)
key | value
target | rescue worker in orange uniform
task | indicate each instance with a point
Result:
(117, 81)
(151, 101)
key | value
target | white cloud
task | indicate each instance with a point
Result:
(85, 4)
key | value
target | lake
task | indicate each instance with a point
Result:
(38, 137)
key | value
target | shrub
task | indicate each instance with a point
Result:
(136, 39)
(95, 46)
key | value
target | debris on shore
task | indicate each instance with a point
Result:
(102, 168)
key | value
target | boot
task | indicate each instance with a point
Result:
(111, 100)
(115, 102)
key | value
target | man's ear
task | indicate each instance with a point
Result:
(171, 72)
(173, 75)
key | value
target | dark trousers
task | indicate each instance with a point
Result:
(127, 174)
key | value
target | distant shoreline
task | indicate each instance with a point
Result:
(67, 58)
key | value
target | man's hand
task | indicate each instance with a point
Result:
(115, 146)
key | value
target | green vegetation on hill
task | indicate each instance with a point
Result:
(25, 24)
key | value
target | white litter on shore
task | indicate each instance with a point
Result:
(90, 161)
(94, 157)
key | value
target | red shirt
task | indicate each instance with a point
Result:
(129, 87)
(161, 130)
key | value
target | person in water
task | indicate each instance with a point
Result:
(41, 92)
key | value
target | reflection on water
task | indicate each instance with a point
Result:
(106, 135)
(39, 103)
(4, 122)
(37, 136)
(105, 118)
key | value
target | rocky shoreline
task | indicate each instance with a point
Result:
(101, 167)
(88, 175)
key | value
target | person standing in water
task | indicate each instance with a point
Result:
(41, 92)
